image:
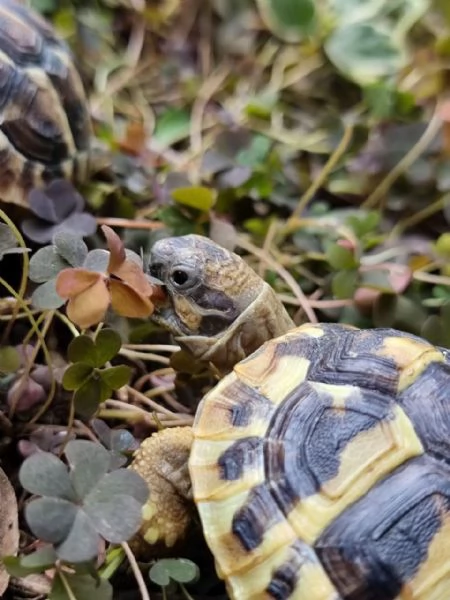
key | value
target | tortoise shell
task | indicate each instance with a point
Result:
(45, 125)
(321, 468)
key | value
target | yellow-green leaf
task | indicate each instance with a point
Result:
(199, 197)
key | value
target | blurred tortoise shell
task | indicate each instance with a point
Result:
(45, 125)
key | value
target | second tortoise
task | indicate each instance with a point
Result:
(320, 463)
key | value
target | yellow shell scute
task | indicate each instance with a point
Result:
(207, 481)
(411, 356)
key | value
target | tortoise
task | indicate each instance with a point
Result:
(45, 125)
(320, 463)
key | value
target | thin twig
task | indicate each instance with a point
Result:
(326, 170)
(149, 402)
(410, 157)
(133, 355)
(283, 273)
(136, 571)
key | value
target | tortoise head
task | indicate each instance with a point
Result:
(216, 306)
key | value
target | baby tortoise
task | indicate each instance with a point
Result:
(320, 465)
(45, 125)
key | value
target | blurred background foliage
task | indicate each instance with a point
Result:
(314, 135)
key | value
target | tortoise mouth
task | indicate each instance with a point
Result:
(165, 316)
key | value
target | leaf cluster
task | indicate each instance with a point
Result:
(87, 377)
(83, 502)
(90, 281)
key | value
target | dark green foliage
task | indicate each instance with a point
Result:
(91, 381)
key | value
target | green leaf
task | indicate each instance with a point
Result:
(107, 345)
(173, 125)
(82, 350)
(8, 242)
(180, 570)
(97, 260)
(45, 264)
(44, 474)
(36, 562)
(81, 542)
(256, 154)
(9, 359)
(89, 462)
(120, 481)
(344, 284)
(351, 11)
(82, 587)
(436, 331)
(71, 247)
(290, 20)
(50, 519)
(116, 377)
(378, 280)
(116, 521)
(443, 245)
(115, 505)
(340, 257)
(365, 223)
(261, 106)
(76, 375)
(365, 52)
(198, 197)
(175, 220)
(46, 297)
(88, 397)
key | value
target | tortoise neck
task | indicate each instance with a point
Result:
(264, 319)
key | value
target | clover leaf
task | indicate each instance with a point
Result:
(8, 242)
(59, 209)
(91, 383)
(180, 570)
(81, 502)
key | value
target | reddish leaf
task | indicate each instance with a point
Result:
(89, 307)
(127, 302)
(115, 247)
(132, 274)
(134, 140)
(71, 282)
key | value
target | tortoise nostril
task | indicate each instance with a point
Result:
(155, 270)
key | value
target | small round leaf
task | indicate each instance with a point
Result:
(46, 297)
(71, 247)
(89, 462)
(107, 345)
(116, 518)
(288, 19)
(82, 350)
(81, 543)
(366, 52)
(9, 359)
(88, 397)
(116, 377)
(45, 264)
(180, 570)
(44, 474)
(50, 519)
(76, 375)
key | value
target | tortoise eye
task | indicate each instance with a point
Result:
(182, 278)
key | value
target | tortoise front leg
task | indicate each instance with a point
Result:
(162, 460)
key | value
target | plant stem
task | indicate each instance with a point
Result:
(136, 571)
(328, 167)
(410, 157)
